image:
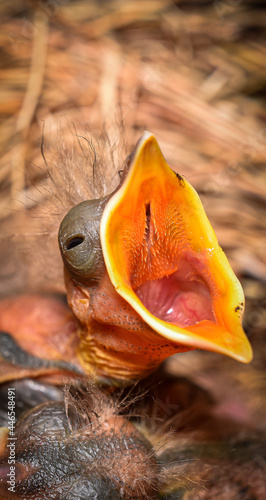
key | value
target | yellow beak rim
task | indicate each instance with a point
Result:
(151, 182)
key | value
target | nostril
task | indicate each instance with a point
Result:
(74, 242)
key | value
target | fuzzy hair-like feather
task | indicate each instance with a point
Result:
(84, 168)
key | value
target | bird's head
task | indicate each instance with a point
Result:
(145, 274)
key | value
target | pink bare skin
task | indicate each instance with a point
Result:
(42, 326)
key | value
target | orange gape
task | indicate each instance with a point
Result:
(145, 275)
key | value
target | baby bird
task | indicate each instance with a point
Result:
(145, 279)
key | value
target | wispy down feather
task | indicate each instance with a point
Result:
(86, 167)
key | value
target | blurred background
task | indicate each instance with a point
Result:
(191, 72)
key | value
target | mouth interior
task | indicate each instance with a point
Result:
(183, 298)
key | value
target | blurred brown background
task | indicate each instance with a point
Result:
(191, 72)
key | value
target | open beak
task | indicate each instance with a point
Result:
(163, 258)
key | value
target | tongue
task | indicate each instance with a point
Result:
(177, 301)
